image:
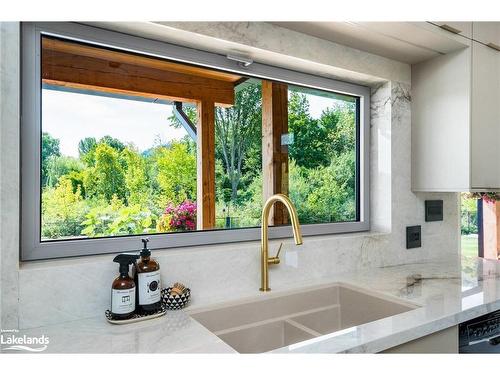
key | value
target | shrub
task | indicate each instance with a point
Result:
(63, 210)
(176, 167)
(178, 218)
(117, 219)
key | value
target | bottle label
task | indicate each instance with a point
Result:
(149, 287)
(123, 301)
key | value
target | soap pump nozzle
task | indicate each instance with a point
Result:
(145, 252)
(125, 260)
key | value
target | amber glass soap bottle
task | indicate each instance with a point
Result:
(147, 277)
(123, 290)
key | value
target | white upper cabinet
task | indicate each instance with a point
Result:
(487, 33)
(456, 117)
(485, 120)
(461, 28)
(441, 123)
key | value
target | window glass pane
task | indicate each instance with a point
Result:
(119, 136)
(238, 148)
(112, 166)
(115, 160)
(322, 155)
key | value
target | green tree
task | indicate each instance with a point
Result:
(340, 126)
(237, 129)
(50, 149)
(87, 148)
(309, 148)
(107, 177)
(116, 219)
(136, 177)
(86, 145)
(58, 166)
(63, 210)
(176, 173)
(113, 142)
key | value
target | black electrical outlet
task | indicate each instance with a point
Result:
(413, 237)
(434, 210)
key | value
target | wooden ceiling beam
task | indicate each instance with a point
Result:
(79, 49)
(67, 69)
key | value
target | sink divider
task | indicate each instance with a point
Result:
(286, 318)
(303, 327)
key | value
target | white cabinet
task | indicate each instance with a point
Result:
(441, 342)
(461, 28)
(485, 121)
(456, 121)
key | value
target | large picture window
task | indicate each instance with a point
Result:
(136, 138)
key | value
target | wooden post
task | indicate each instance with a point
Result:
(205, 155)
(480, 228)
(274, 155)
(489, 229)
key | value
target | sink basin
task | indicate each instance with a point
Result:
(275, 320)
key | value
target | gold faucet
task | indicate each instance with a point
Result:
(264, 242)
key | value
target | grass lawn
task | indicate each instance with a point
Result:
(469, 245)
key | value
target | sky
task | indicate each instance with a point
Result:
(71, 117)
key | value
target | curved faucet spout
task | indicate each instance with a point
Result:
(264, 244)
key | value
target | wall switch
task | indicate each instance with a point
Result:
(434, 210)
(413, 237)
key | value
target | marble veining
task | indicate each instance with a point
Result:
(448, 292)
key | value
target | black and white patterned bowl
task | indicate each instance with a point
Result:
(175, 301)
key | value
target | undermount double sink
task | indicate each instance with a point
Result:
(276, 320)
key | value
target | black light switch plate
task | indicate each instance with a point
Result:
(413, 237)
(434, 210)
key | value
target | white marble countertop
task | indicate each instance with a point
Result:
(449, 293)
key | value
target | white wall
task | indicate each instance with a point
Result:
(9, 172)
(48, 292)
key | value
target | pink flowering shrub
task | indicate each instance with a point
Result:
(178, 218)
(486, 197)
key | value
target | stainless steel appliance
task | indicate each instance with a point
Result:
(480, 335)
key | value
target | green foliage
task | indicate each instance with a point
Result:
(136, 179)
(63, 210)
(249, 213)
(309, 148)
(86, 146)
(468, 213)
(238, 135)
(340, 127)
(324, 194)
(176, 173)
(316, 142)
(50, 150)
(60, 166)
(107, 177)
(113, 143)
(117, 219)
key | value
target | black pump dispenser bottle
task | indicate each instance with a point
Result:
(147, 278)
(123, 289)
